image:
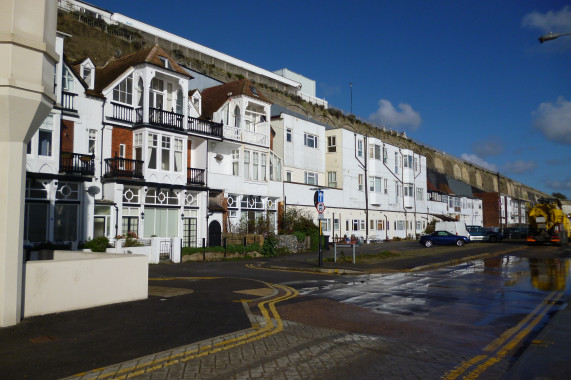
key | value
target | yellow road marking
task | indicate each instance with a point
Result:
(252, 266)
(506, 342)
(258, 333)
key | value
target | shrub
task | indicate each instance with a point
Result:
(269, 247)
(299, 235)
(98, 244)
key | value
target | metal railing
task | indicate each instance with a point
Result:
(122, 112)
(166, 119)
(123, 167)
(204, 127)
(76, 163)
(195, 176)
(68, 101)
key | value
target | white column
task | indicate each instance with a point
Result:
(27, 48)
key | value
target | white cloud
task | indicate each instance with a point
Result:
(554, 120)
(552, 21)
(391, 117)
(479, 161)
(562, 185)
(519, 166)
(492, 146)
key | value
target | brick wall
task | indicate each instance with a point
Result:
(67, 128)
(490, 208)
(188, 154)
(122, 136)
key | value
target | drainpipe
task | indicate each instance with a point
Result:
(366, 182)
(116, 219)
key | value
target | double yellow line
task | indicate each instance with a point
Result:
(273, 324)
(500, 347)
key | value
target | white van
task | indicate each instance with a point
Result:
(456, 228)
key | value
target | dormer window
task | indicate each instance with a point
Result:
(165, 62)
(254, 91)
(87, 72)
(87, 75)
(123, 92)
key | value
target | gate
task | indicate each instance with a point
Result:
(165, 250)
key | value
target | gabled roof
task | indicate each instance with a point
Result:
(214, 97)
(113, 69)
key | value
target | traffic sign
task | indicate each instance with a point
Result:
(320, 207)
(318, 197)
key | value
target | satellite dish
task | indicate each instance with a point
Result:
(93, 190)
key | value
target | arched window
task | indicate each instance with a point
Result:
(237, 117)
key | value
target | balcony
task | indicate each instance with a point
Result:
(195, 177)
(68, 101)
(76, 163)
(162, 118)
(204, 127)
(258, 135)
(122, 112)
(119, 167)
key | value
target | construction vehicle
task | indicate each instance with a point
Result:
(548, 223)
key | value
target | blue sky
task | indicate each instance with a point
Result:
(466, 77)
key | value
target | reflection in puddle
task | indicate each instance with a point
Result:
(549, 274)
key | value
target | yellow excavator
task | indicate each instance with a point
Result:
(548, 223)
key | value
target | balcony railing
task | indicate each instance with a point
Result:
(122, 112)
(204, 127)
(165, 119)
(68, 101)
(123, 168)
(195, 177)
(259, 136)
(76, 163)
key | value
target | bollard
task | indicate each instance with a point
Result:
(203, 249)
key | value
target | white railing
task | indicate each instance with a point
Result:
(259, 136)
(313, 99)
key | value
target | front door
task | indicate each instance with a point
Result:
(214, 234)
(189, 232)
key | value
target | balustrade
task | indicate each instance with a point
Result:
(76, 163)
(123, 167)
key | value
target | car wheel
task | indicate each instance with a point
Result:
(493, 239)
(459, 242)
(428, 244)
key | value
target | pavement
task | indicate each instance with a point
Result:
(218, 327)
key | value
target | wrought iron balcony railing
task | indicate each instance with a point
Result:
(205, 127)
(76, 163)
(123, 168)
(195, 177)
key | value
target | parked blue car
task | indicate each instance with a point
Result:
(443, 237)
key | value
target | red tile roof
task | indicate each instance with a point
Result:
(214, 97)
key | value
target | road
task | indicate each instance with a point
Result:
(470, 320)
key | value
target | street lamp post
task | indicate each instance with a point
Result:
(551, 36)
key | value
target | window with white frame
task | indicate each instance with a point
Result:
(177, 155)
(408, 190)
(138, 145)
(356, 224)
(246, 164)
(165, 152)
(130, 194)
(326, 225)
(332, 179)
(87, 72)
(263, 164)
(157, 93)
(162, 197)
(386, 187)
(255, 165)
(289, 133)
(399, 225)
(380, 225)
(67, 80)
(407, 160)
(310, 178)
(288, 176)
(362, 224)
(419, 193)
(360, 181)
(45, 136)
(101, 221)
(123, 92)
(235, 161)
(91, 140)
(336, 224)
(275, 167)
(360, 148)
(397, 163)
(153, 146)
(385, 155)
(331, 144)
(310, 141)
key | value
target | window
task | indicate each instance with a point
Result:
(263, 164)
(92, 140)
(407, 161)
(419, 193)
(288, 135)
(360, 180)
(67, 80)
(360, 148)
(65, 222)
(377, 152)
(371, 151)
(123, 92)
(362, 224)
(399, 225)
(165, 62)
(156, 93)
(386, 187)
(380, 225)
(310, 178)
(288, 176)
(408, 190)
(130, 195)
(385, 155)
(372, 224)
(332, 179)
(325, 224)
(138, 146)
(165, 152)
(177, 155)
(372, 184)
(87, 75)
(246, 164)
(255, 165)
(378, 184)
(235, 161)
(153, 142)
(356, 224)
(310, 140)
(336, 225)
(331, 145)
(45, 137)
(397, 163)
(275, 167)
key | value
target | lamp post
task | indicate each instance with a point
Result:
(551, 36)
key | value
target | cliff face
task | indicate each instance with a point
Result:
(90, 38)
